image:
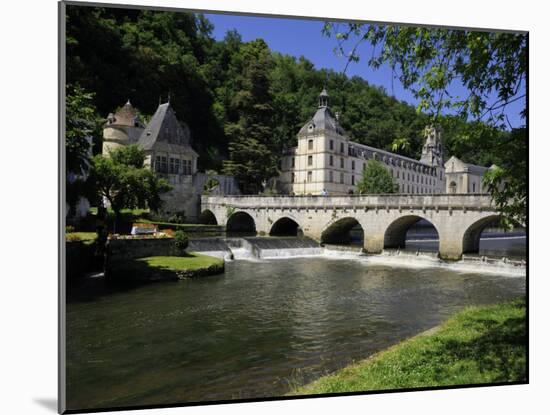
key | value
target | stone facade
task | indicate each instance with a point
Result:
(464, 177)
(327, 161)
(168, 151)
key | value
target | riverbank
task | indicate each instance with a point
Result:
(156, 268)
(478, 345)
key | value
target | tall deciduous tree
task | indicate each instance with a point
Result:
(251, 157)
(125, 183)
(81, 129)
(376, 179)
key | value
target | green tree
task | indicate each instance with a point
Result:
(251, 153)
(492, 66)
(506, 182)
(122, 179)
(376, 179)
(81, 130)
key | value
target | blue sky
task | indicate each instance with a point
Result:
(304, 38)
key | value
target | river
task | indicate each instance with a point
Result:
(258, 328)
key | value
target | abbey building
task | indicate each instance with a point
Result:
(326, 161)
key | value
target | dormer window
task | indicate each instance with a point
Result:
(310, 127)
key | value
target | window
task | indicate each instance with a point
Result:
(331, 144)
(309, 176)
(292, 177)
(293, 163)
(330, 176)
(172, 165)
(310, 145)
(452, 187)
(163, 165)
(341, 162)
(341, 147)
(408, 178)
(309, 160)
(398, 174)
(341, 177)
(157, 164)
(353, 164)
(331, 161)
(473, 187)
(177, 166)
(353, 180)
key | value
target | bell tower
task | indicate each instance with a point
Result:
(432, 151)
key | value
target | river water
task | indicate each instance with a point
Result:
(258, 328)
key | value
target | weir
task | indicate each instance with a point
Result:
(255, 247)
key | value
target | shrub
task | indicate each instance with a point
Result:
(181, 241)
(69, 229)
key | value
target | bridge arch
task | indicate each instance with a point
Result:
(207, 217)
(241, 222)
(396, 233)
(472, 235)
(285, 226)
(343, 231)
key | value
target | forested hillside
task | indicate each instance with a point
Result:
(242, 102)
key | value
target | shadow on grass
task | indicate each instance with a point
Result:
(498, 349)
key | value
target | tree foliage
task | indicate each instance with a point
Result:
(122, 179)
(251, 157)
(81, 130)
(376, 179)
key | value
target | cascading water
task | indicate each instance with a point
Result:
(262, 248)
(284, 247)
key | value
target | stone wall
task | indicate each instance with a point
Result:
(124, 249)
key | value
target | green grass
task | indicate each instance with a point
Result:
(190, 262)
(86, 237)
(476, 346)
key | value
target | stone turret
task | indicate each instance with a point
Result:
(432, 151)
(122, 128)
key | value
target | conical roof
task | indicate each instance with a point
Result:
(127, 115)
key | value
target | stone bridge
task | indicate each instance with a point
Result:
(458, 219)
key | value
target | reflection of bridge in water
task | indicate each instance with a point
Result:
(383, 219)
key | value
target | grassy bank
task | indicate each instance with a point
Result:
(191, 262)
(168, 268)
(478, 345)
(87, 238)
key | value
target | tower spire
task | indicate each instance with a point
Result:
(323, 98)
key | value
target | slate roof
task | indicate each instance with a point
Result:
(468, 167)
(165, 133)
(323, 120)
(127, 115)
